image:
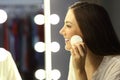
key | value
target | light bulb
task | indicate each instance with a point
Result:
(54, 19)
(39, 19)
(55, 46)
(3, 16)
(39, 47)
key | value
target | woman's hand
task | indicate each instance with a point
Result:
(78, 53)
(77, 62)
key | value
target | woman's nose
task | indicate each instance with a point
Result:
(61, 31)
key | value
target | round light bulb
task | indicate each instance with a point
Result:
(55, 46)
(39, 47)
(3, 16)
(56, 74)
(40, 74)
(39, 19)
(54, 19)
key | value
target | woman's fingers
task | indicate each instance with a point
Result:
(79, 49)
(78, 52)
(82, 49)
(75, 51)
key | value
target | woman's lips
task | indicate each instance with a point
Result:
(66, 40)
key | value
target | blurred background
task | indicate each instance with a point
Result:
(19, 33)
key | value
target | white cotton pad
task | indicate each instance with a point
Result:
(75, 39)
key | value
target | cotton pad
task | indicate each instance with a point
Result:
(75, 39)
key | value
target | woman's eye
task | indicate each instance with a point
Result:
(68, 26)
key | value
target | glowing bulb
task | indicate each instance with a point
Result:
(40, 74)
(54, 19)
(39, 47)
(3, 16)
(56, 74)
(39, 19)
(55, 46)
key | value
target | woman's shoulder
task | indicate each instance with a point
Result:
(109, 68)
(116, 59)
(4, 54)
(112, 58)
(112, 62)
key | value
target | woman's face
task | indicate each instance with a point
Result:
(70, 28)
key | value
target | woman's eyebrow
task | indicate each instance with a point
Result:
(68, 22)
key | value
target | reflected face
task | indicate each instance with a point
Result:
(69, 29)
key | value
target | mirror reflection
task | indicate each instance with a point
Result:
(19, 33)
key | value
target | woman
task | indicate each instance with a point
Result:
(8, 68)
(98, 56)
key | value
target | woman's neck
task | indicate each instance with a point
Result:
(92, 63)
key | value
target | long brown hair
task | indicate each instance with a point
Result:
(96, 27)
